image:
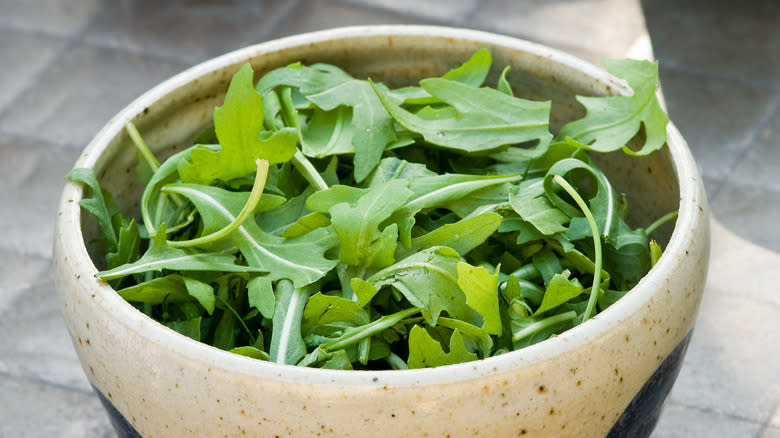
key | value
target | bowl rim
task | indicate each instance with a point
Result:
(80, 263)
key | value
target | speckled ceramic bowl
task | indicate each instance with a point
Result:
(607, 377)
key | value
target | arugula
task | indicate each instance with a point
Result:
(331, 221)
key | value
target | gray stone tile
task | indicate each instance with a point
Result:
(58, 17)
(32, 177)
(190, 31)
(322, 14)
(716, 116)
(719, 37)
(35, 410)
(73, 98)
(19, 67)
(760, 164)
(593, 30)
(451, 12)
(771, 432)
(731, 362)
(751, 212)
(17, 273)
(35, 342)
(680, 421)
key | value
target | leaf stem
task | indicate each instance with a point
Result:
(141, 146)
(251, 203)
(543, 324)
(661, 221)
(299, 160)
(352, 336)
(308, 171)
(590, 310)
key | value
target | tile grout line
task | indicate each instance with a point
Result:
(693, 71)
(768, 423)
(743, 147)
(42, 382)
(70, 42)
(716, 412)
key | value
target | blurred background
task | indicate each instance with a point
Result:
(69, 65)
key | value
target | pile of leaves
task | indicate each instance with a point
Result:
(329, 221)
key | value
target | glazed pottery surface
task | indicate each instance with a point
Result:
(607, 377)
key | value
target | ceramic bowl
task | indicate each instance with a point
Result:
(607, 377)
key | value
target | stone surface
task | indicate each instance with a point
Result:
(35, 343)
(684, 422)
(723, 371)
(58, 17)
(37, 410)
(718, 37)
(19, 68)
(717, 116)
(80, 92)
(32, 182)
(451, 12)
(323, 14)
(188, 31)
(595, 29)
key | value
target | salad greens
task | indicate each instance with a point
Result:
(329, 221)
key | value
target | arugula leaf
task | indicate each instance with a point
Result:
(424, 351)
(286, 342)
(560, 290)
(484, 120)
(462, 236)
(362, 242)
(161, 256)
(372, 126)
(239, 128)
(300, 259)
(429, 280)
(101, 204)
(611, 122)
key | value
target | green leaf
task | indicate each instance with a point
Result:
(472, 73)
(481, 290)
(611, 122)
(533, 329)
(250, 351)
(170, 289)
(240, 130)
(287, 345)
(300, 259)
(428, 280)
(395, 168)
(372, 126)
(128, 247)
(260, 293)
(202, 292)
(309, 79)
(189, 327)
(325, 309)
(485, 119)
(462, 236)
(161, 256)
(362, 242)
(101, 204)
(540, 213)
(560, 290)
(425, 352)
(329, 133)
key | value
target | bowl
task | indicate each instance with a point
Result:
(609, 376)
